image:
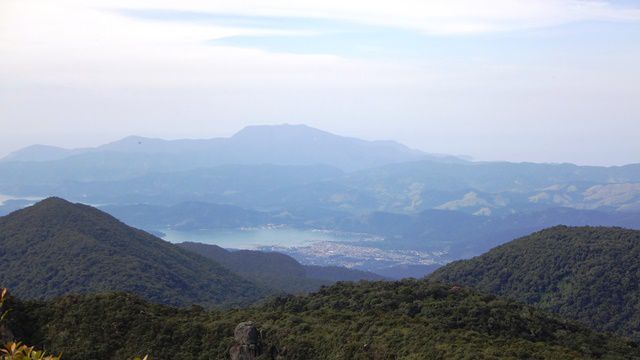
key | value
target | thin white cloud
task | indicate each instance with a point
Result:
(80, 40)
(430, 16)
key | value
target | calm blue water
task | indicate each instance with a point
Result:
(255, 238)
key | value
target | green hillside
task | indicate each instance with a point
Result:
(590, 274)
(409, 319)
(278, 271)
(55, 247)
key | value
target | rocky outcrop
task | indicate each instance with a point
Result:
(247, 342)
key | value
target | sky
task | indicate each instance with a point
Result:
(516, 80)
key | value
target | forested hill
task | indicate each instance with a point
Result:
(408, 319)
(278, 271)
(590, 274)
(55, 247)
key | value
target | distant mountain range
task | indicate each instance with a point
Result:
(55, 248)
(589, 274)
(482, 189)
(307, 178)
(279, 145)
(486, 188)
(281, 167)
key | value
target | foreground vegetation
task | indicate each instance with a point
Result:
(589, 274)
(15, 350)
(408, 319)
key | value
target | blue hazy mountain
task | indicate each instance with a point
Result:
(285, 166)
(42, 153)
(280, 145)
(303, 177)
(482, 189)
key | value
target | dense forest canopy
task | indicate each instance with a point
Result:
(590, 274)
(410, 319)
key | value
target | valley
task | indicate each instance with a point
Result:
(312, 247)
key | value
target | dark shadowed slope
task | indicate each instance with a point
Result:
(402, 271)
(278, 271)
(56, 247)
(590, 274)
(339, 273)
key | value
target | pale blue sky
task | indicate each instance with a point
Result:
(520, 80)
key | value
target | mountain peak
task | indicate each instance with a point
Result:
(289, 130)
(284, 144)
(54, 208)
(135, 143)
(39, 153)
(82, 249)
(53, 201)
(47, 209)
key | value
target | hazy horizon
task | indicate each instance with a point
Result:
(540, 81)
(87, 144)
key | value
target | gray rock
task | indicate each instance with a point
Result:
(247, 342)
